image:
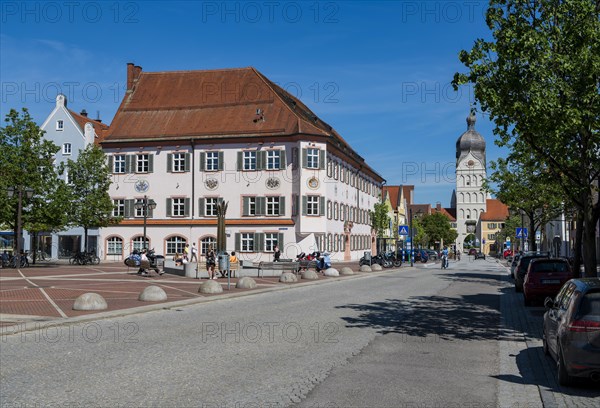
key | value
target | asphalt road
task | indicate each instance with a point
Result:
(413, 337)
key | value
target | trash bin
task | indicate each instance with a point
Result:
(223, 261)
(367, 256)
(190, 269)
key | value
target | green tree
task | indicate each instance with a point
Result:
(380, 220)
(27, 162)
(89, 183)
(420, 237)
(539, 80)
(437, 228)
(509, 230)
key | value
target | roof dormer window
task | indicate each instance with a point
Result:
(59, 125)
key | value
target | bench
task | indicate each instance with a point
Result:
(278, 266)
(304, 264)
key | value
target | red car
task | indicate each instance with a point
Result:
(507, 253)
(544, 278)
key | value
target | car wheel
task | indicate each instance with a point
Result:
(563, 377)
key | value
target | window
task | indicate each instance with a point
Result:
(207, 242)
(312, 158)
(114, 246)
(178, 207)
(175, 245)
(119, 208)
(492, 225)
(249, 160)
(67, 177)
(247, 241)
(272, 205)
(492, 236)
(335, 211)
(139, 211)
(60, 125)
(143, 163)
(119, 163)
(329, 210)
(212, 161)
(67, 148)
(312, 205)
(179, 162)
(271, 239)
(251, 205)
(273, 161)
(138, 243)
(210, 206)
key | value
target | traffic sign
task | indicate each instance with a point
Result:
(521, 232)
(402, 229)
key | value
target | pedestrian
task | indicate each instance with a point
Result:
(186, 252)
(194, 257)
(233, 259)
(210, 262)
(277, 254)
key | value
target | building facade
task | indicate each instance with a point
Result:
(72, 132)
(191, 139)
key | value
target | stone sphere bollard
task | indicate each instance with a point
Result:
(153, 293)
(210, 287)
(246, 282)
(366, 268)
(331, 272)
(376, 267)
(90, 301)
(346, 270)
(288, 277)
(310, 274)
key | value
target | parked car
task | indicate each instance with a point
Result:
(521, 268)
(544, 278)
(513, 265)
(507, 253)
(479, 255)
(432, 254)
(571, 333)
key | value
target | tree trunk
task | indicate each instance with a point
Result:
(531, 236)
(578, 240)
(589, 242)
(34, 234)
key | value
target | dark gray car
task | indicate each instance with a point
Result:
(572, 330)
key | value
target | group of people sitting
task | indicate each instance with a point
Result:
(211, 262)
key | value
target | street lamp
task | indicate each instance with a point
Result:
(412, 263)
(145, 205)
(28, 193)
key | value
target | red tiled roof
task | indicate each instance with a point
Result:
(495, 211)
(423, 208)
(100, 128)
(408, 192)
(394, 192)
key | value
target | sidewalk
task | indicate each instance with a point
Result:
(44, 294)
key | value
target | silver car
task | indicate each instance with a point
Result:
(572, 330)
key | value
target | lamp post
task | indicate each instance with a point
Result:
(412, 263)
(28, 193)
(145, 205)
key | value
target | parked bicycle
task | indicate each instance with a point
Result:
(84, 258)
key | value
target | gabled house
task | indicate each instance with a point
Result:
(190, 139)
(491, 222)
(72, 132)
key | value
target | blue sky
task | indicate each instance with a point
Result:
(378, 72)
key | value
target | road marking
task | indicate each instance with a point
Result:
(58, 309)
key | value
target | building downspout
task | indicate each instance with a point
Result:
(193, 179)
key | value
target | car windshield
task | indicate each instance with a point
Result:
(590, 306)
(526, 260)
(545, 267)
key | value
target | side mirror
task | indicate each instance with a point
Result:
(549, 303)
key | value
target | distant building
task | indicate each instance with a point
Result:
(492, 221)
(72, 132)
(190, 139)
(399, 198)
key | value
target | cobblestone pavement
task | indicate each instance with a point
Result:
(534, 375)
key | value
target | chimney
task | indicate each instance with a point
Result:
(133, 74)
(98, 117)
(83, 113)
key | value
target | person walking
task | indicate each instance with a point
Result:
(186, 252)
(277, 254)
(194, 257)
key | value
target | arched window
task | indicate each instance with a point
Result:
(462, 181)
(175, 245)
(114, 246)
(481, 198)
(206, 242)
(336, 214)
(336, 243)
(462, 213)
(329, 238)
(461, 198)
(329, 210)
(137, 243)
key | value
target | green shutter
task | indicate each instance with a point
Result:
(261, 203)
(150, 211)
(150, 163)
(188, 161)
(129, 211)
(169, 207)
(282, 164)
(321, 206)
(238, 241)
(201, 207)
(321, 159)
(260, 160)
(259, 242)
(280, 241)
(304, 158)
(110, 163)
(245, 206)
(202, 161)
(221, 161)
(282, 205)
(186, 210)
(128, 163)
(240, 161)
(304, 204)
(169, 163)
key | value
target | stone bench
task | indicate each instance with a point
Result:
(189, 269)
(277, 266)
(308, 264)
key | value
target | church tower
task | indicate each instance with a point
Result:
(470, 173)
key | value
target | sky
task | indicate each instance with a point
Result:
(379, 72)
